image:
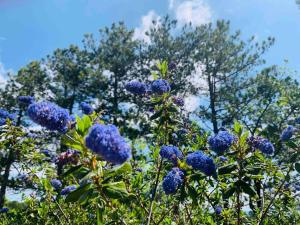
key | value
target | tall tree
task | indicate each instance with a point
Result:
(227, 62)
(115, 55)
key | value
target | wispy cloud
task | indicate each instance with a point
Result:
(146, 24)
(196, 12)
(2, 75)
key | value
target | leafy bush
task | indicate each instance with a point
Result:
(176, 175)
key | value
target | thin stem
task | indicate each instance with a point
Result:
(68, 136)
(189, 214)
(61, 210)
(264, 213)
(154, 191)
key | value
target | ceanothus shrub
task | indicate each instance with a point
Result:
(199, 161)
(171, 153)
(49, 115)
(173, 181)
(4, 115)
(86, 108)
(221, 141)
(106, 141)
(136, 87)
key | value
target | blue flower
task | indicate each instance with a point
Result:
(160, 86)
(140, 170)
(86, 108)
(221, 141)
(56, 184)
(199, 161)
(136, 87)
(172, 66)
(287, 133)
(218, 210)
(4, 210)
(68, 189)
(106, 141)
(26, 100)
(173, 181)
(264, 145)
(4, 115)
(178, 101)
(49, 115)
(171, 152)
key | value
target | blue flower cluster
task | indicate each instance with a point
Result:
(106, 141)
(178, 101)
(26, 100)
(136, 87)
(199, 161)
(160, 86)
(173, 181)
(287, 133)
(221, 141)
(68, 189)
(49, 115)
(86, 108)
(171, 152)
(264, 145)
(56, 184)
(4, 210)
(4, 115)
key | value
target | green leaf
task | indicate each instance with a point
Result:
(116, 190)
(83, 124)
(197, 176)
(71, 170)
(117, 171)
(297, 167)
(237, 127)
(227, 169)
(99, 213)
(156, 114)
(253, 170)
(228, 193)
(247, 188)
(74, 144)
(75, 195)
(192, 193)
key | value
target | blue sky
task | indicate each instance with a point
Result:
(31, 29)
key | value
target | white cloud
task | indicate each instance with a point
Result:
(191, 103)
(146, 24)
(171, 4)
(196, 12)
(197, 79)
(3, 77)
